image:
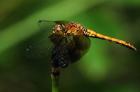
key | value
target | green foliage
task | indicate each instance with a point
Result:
(105, 68)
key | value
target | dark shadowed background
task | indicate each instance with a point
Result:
(106, 67)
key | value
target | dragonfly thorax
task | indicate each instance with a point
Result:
(69, 29)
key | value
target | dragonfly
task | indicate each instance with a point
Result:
(69, 41)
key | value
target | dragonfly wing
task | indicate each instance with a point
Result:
(51, 22)
(78, 47)
(39, 45)
(61, 22)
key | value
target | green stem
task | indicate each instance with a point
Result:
(55, 80)
(55, 84)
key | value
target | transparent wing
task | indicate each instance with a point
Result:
(39, 45)
(41, 22)
(61, 22)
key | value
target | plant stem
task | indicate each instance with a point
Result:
(55, 79)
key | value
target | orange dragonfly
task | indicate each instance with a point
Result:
(71, 41)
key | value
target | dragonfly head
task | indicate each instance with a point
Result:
(59, 29)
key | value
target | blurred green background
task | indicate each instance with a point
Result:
(106, 67)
